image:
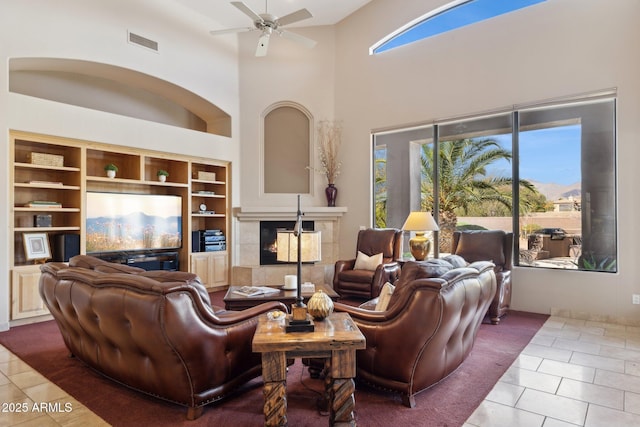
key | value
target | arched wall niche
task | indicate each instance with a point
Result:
(116, 90)
(287, 129)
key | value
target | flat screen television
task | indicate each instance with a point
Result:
(133, 222)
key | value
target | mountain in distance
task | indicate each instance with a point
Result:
(134, 224)
(553, 191)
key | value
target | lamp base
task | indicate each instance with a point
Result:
(300, 321)
(420, 246)
(291, 325)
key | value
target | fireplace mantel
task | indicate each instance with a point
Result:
(247, 269)
(287, 213)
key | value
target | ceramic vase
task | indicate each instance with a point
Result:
(111, 173)
(320, 305)
(162, 178)
(331, 192)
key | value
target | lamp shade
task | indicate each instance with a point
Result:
(420, 221)
(287, 243)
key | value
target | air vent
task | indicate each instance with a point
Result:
(143, 41)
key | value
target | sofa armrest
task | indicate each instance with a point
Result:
(229, 317)
(342, 265)
(361, 314)
(389, 272)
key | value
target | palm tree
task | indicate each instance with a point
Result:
(463, 180)
(380, 192)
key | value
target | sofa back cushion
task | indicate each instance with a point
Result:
(373, 241)
(414, 270)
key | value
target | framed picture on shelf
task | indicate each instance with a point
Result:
(36, 246)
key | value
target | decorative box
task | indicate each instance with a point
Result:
(42, 220)
(45, 159)
(207, 176)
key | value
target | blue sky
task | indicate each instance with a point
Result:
(546, 155)
(461, 15)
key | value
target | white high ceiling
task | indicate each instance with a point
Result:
(325, 12)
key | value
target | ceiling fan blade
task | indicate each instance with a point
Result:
(297, 38)
(247, 11)
(263, 44)
(296, 16)
(231, 30)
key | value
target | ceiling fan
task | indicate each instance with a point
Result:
(268, 24)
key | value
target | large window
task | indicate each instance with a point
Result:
(545, 173)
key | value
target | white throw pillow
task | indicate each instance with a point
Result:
(385, 296)
(364, 262)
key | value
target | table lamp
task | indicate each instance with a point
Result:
(420, 222)
(298, 246)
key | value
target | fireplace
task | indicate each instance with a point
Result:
(268, 233)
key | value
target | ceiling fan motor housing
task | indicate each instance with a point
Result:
(268, 21)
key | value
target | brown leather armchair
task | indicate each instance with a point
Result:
(153, 331)
(368, 283)
(495, 246)
(428, 328)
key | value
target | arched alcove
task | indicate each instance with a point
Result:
(287, 136)
(116, 90)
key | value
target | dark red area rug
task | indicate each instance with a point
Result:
(448, 403)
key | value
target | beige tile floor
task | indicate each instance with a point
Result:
(573, 373)
(29, 399)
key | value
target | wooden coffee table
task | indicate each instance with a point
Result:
(234, 301)
(334, 339)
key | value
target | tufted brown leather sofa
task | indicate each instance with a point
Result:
(495, 246)
(427, 330)
(153, 331)
(368, 283)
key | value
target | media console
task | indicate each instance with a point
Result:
(146, 260)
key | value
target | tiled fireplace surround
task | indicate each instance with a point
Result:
(247, 269)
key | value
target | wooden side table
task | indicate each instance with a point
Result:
(335, 338)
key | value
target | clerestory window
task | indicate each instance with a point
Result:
(451, 16)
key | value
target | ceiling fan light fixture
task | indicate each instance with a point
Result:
(267, 24)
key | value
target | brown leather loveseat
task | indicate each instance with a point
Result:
(428, 328)
(154, 331)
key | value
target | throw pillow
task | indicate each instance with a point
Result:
(365, 262)
(385, 297)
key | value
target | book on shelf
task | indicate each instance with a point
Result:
(42, 204)
(252, 291)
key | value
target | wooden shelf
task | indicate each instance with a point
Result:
(213, 196)
(52, 210)
(44, 167)
(203, 181)
(48, 186)
(215, 215)
(45, 229)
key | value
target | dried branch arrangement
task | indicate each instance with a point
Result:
(329, 140)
